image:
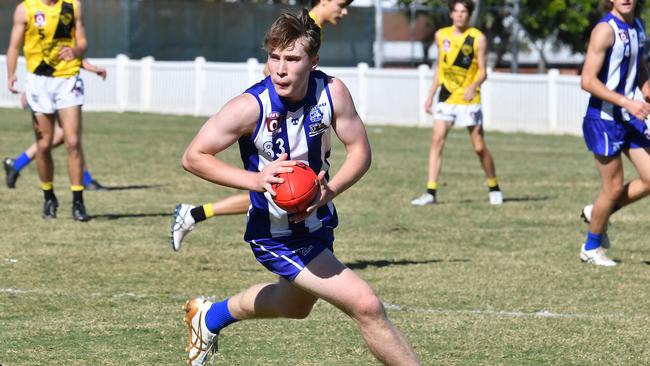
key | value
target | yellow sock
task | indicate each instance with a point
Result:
(76, 188)
(208, 210)
(47, 186)
(432, 185)
(492, 182)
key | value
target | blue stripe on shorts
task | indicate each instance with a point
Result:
(609, 138)
(286, 256)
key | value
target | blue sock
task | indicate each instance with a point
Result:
(218, 317)
(21, 161)
(87, 178)
(593, 240)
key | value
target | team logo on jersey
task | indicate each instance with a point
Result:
(66, 18)
(273, 122)
(39, 19)
(295, 121)
(446, 45)
(315, 114)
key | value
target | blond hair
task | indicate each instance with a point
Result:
(289, 28)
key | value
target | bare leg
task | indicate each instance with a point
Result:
(44, 131)
(327, 278)
(232, 205)
(640, 187)
(70, 119)
(481, 150)
(611, 176)
(439, 135)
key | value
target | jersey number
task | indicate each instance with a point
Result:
(268, 148)
(41, 34)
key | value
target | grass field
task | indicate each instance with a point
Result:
(468, 283)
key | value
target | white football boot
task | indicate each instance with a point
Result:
(182, 224)
(586, 216)
(496, 197)
(423, 200)
(202, 342)
(596, 256)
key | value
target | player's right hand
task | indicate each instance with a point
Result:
(268, 176)
(11, 80)
(638, 108)
(427, 105)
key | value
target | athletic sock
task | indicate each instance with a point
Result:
(21, 161)
(432, 187)
(493, 185)
(593, 240)
(218, 317)
(87, 178)
(48, 190)
(77, 193)
(201, 213)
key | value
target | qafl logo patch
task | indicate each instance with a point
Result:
(39, 19)
(446, 45)
(273, 122)
(623, 36)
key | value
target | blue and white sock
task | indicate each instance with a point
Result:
(593, 241)
(218, 317)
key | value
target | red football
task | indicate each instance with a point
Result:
(298, 189)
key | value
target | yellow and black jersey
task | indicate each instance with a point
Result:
(457, 64)
(48, 29)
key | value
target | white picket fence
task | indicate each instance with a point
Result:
(550, 103)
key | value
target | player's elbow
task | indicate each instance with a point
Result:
(585, 83)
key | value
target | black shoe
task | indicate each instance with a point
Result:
(95, 186)
(12, 173)
(49, 209)
(79, 212)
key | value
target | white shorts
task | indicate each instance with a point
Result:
(463, 115)
(48, 94)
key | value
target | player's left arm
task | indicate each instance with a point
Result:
(481, 61)
(350, 130)
(81, 43)
(98, 70)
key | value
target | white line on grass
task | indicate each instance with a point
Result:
(501, 313)
(13, 291)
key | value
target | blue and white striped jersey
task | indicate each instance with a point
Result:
(303, 131)
(620, 67)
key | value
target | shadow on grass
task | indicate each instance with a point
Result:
(134, 186)
(128, 216)
(404, 262)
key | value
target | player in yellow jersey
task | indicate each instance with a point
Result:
(186, 216)
(54, 41)
(14, 166)
(461, 71)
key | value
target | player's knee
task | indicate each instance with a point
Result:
(480, 149)
(368, 308)
(73, 145)
(646, 183)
